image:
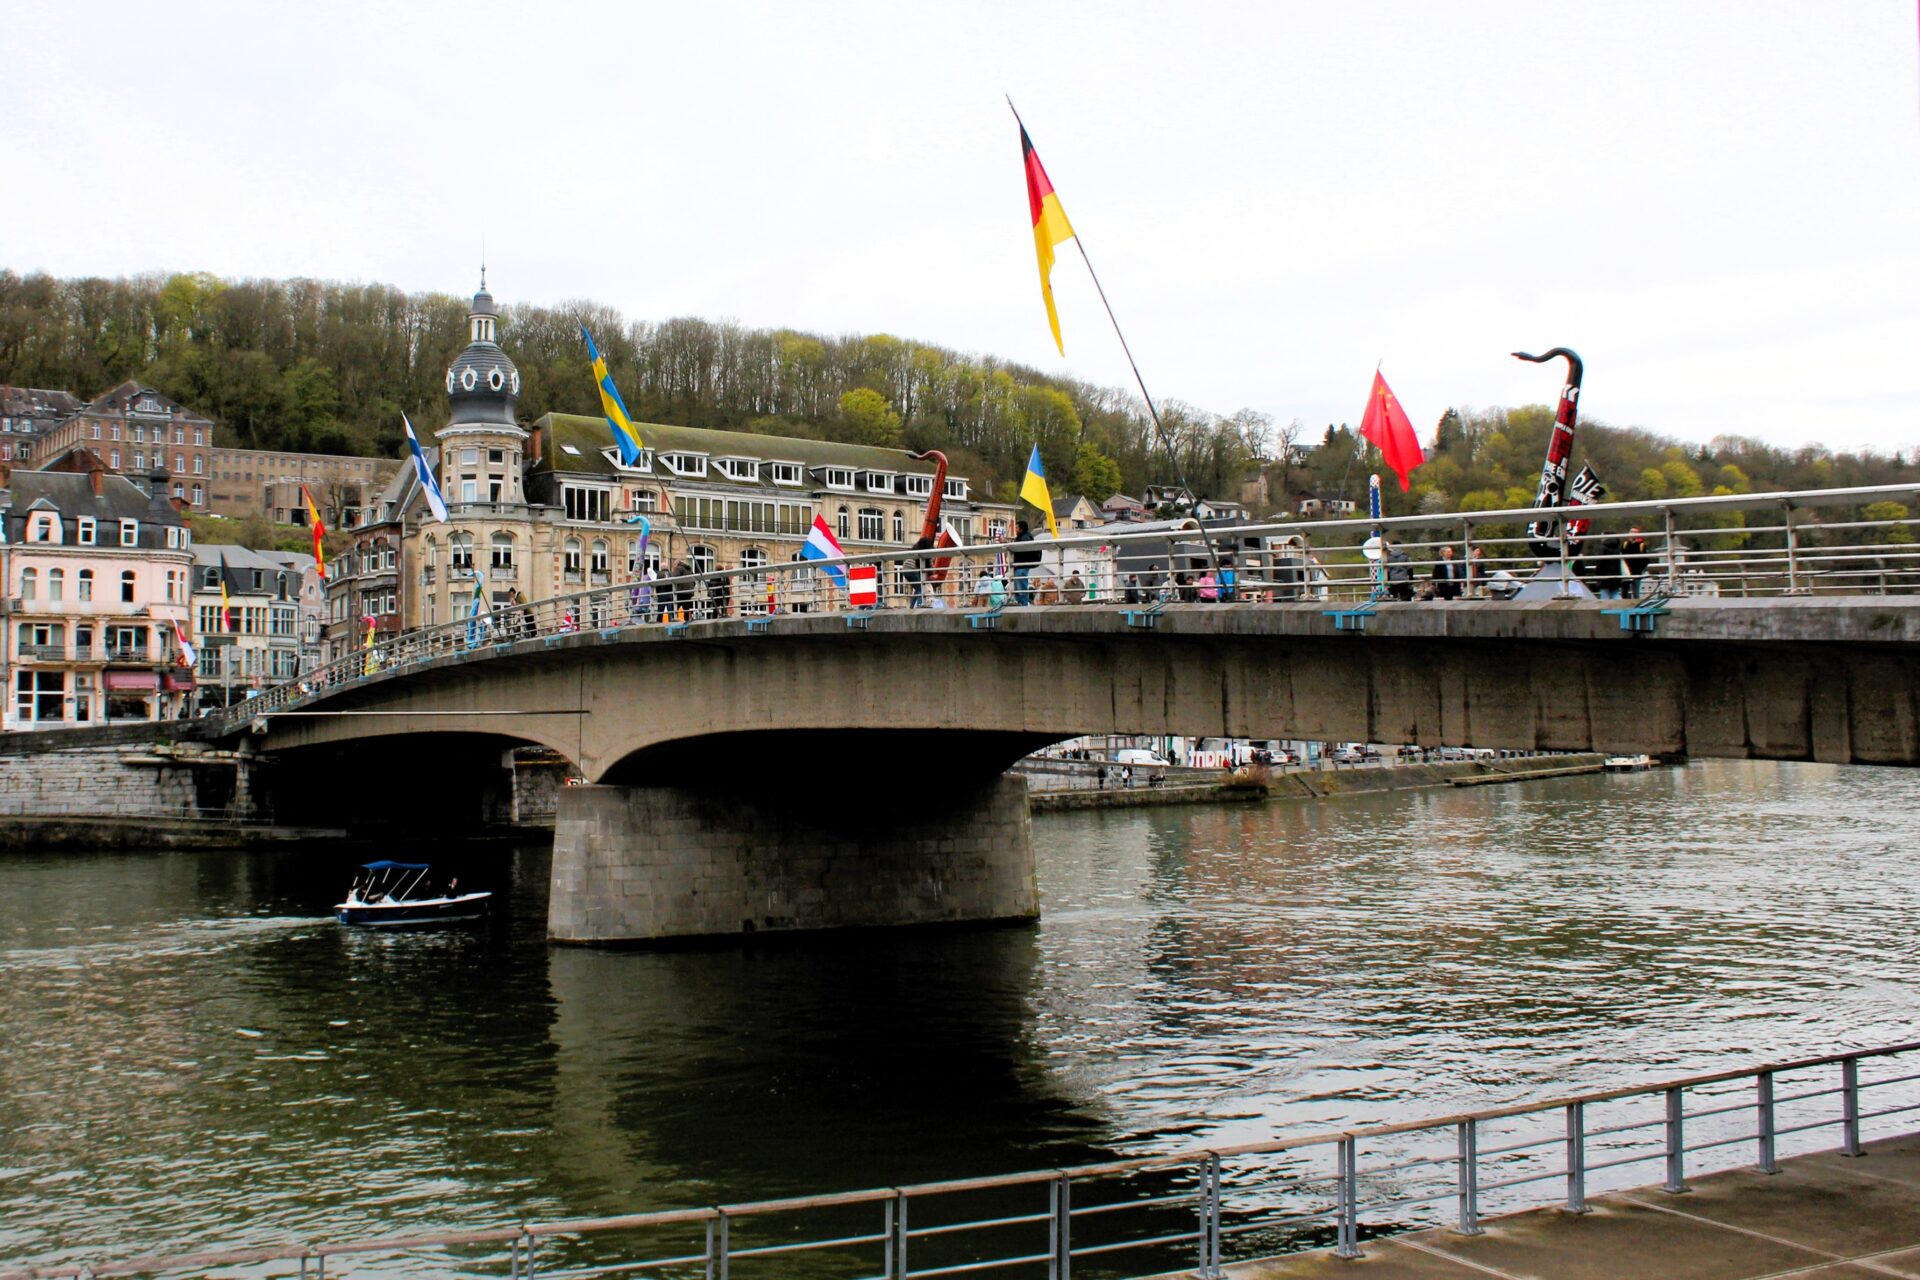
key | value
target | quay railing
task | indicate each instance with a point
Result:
(1195, 1210)
(1792, 553)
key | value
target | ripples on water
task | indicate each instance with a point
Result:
(192, 1054)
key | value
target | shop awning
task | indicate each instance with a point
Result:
(132, 679)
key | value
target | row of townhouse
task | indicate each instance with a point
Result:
(97, 570)
(257, 619)
(539, 511)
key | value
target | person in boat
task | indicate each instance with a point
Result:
(453, 887)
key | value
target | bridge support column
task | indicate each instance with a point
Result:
(639, 864)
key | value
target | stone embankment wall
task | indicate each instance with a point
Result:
(1310, 784)
(123, 784)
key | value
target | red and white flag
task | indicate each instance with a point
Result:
(863, 586)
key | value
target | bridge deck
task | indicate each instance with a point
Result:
(1822, 1217)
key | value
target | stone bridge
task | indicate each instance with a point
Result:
(809, 771)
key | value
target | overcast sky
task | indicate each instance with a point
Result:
(1714, 203)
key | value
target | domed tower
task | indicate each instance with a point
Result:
(481, 445)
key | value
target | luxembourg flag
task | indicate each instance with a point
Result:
(822, 545)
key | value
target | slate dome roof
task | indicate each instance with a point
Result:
(482, 382)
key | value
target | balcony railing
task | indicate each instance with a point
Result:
(43, 652)
(134, 653)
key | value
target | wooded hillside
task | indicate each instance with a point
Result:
(327, 367)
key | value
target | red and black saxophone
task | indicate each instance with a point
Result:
(932, 534)
(1543, 536)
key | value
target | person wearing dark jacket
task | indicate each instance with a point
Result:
(1399, 573)
(1449, 576)
(1024, 560)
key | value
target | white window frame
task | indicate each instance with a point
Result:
(839, 479)
(787, 473)
(129, 533)
(687, 465)
(918, 486)
(743, 470)
(879, 481)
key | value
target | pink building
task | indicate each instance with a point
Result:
(98, 573)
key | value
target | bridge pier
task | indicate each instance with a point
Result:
(644, 864)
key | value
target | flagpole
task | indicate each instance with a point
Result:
(1159, 427)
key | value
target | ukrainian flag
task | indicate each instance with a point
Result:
(625, 434)
(1034, 490)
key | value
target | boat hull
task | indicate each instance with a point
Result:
(404, 915)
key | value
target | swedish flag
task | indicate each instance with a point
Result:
(625, 434)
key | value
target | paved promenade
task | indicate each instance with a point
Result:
(1822, 1217)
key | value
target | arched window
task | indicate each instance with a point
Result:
(872, 524)
(899, 526)
(599, 561)
(844, 530)
(570, 559)
(460, 550)
(56, 585)
(29, 584)
(126, 587)
(701, 558)
(503, 551)
(83, 588)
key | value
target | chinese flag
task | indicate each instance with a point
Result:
(1385, 423)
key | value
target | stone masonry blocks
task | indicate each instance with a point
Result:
(639, 864)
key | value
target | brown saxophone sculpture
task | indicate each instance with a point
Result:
(930, 530)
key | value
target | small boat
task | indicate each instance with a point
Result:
(1628, 764)
(395, 894)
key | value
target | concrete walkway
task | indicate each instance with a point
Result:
(1822, 1217)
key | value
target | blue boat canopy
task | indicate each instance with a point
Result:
(394, 866)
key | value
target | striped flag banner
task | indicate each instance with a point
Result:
(863, 586)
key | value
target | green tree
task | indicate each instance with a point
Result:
(1897, 534)
(869, 418)
(1095, 476)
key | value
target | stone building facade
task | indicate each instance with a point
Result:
(138, 431)
(542, 510)
(267, 482)
(97, 570)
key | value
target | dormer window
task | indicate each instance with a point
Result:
(84, 530)
(786, 472)
(917, 486)
(686, 464)
(880, 482)
(745, 470)
(45, 528)
(839, 478)
(129, 533)
(955, 489)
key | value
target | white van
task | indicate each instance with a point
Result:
(1137, 756)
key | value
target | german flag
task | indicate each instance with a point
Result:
(1050, 226)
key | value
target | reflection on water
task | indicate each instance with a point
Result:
(192, 1053)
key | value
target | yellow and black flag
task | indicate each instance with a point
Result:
(1050, 227)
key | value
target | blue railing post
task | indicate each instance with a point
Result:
(1347, 1233)
(1577, 1157)
(1060, 1229)
(1676, 1143)
(1469, 1178)
(899, 1235)
(1763, 1084)
(1850, 1108)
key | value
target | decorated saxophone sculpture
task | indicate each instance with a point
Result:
(931, 533)
(1543, 536)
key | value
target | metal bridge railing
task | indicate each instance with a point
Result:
(1279, 562)
(1193, 1210)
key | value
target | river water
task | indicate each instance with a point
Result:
(193, 1054)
